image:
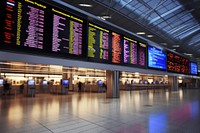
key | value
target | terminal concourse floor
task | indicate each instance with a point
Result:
(134, 112)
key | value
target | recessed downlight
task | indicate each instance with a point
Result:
(85, 5)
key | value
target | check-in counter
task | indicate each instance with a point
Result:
(145, 87)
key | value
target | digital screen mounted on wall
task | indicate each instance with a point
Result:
(130, 51)
(142, 54)
(8, 24)
(35, 24)
(67, 33)
(98, 42)
(156, 58)
(193, 68)
(24, 23)
(116, 48)
(177, 63)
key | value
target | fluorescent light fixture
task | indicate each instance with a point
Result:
(150, 36)
(188, 54)
(174, 49)
(141, 33)
(175, 46)
(101, 17)
(163, 43)
(106, 16)
(85, 5)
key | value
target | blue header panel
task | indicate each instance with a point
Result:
(156, 58)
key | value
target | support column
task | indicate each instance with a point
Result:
(196, 83)
(112, 81)
(173, 81)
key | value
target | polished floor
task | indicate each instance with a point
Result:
(134, 112)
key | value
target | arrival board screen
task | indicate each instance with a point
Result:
(176, 63)
(142, 54)
(34, 24)
(116, 48)
(156, 58)
(67, 33)
(130, 51)
(98, 42)
(193, 68)
(24, 23)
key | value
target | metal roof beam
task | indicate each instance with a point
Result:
(190, 33)
(165, 14)
(186, 31)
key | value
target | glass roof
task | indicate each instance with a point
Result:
(167, 15)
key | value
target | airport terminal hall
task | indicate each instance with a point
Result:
(99, 66)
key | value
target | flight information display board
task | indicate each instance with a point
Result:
(31, 24)
(98, 42)
(156, 58)
(193, 68)
(116, 48)
(8, 23)
(177, 63)
(130, 51)
(142, 54)
(67, 33)
(35, 24)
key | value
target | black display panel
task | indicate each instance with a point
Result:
(130, 51)
(8, 23)
(31, 22)
(34, 26)
(67, 35)
(98, 42)
(116, 48)
(177, 63)
(142, 54)
(157, 58)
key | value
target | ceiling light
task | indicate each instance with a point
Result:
(140, 33)
(85, 5)
(174, 49)
(187, 54)
(101, 17)
(175, 46)
(106, 16)
(163, 43)
(149, 36)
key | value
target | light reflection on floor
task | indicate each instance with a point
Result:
(134, 112)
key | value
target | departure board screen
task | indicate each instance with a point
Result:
(67, 33)
(177, 63)
(24, 23)
(142, 54)
(130, 51)
(98, 42)
(116, 48)
(156, 58)
(31, 24)
(8, 24)
(193, 68)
